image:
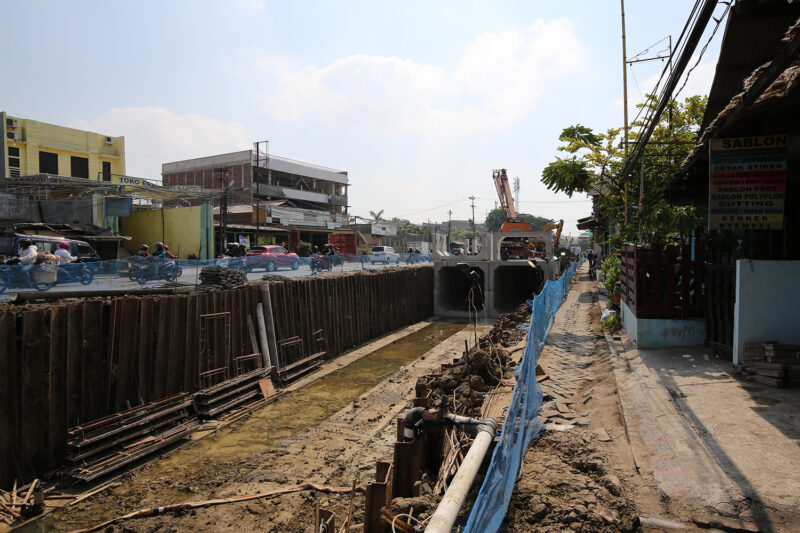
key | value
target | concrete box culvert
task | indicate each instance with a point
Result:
(452, 289)
(512, 285)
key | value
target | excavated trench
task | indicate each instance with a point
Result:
(265, 429)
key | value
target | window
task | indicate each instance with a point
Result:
(79, 167)
(85, 249)
(13, 161)
(13, 151)
(106, 171)
(6, 244)
(48, 163)
(13, 172)
(45, 246)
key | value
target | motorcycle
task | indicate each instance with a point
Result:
(145, 271)
(320, 263)
(40, 277)
(76, 272)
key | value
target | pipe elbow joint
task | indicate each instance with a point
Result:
(411, 422)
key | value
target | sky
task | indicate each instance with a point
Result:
(419, 101)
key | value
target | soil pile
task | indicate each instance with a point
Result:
(566, 485)
(507, 331)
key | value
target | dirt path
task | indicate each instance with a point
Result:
(342, 446)
(583, 478)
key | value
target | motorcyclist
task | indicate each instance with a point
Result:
(64, 257)
(27, 256)
(169, 255)
(143, 252)
(315, 260)
(232, 250)
(160, 252)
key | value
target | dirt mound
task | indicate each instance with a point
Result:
(506, 331)
(566, 485)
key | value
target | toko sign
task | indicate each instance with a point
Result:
(747, 182)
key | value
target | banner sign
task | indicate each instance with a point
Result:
(747, 182)
(128, 180)
(118, 207)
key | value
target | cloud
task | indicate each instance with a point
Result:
(154, 135)
(496, 82)
(250, 6)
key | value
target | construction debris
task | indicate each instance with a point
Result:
(215, 278)
(771, 363)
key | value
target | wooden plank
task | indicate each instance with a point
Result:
(177, 346)
(9, 399)
(35, 455)
(75, 357)
(161, 367)
(110, 361)
(94, 379)
(190, 372)
(57, 393)
(126, 393)
(145, 360)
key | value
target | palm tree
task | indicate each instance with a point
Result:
(376, 216)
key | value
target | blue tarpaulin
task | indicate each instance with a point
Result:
(521, 425)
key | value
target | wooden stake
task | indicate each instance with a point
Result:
(14, 495)
(28, 494)
(352, 501)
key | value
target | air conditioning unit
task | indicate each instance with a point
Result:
(13, 135)
(109, 140)
(12, 123)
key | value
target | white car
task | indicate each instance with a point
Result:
(383, 254)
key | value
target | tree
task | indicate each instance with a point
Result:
(496, 217)
(596, 163)
(376, 217)
(404, 227)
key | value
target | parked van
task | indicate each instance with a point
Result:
(9, 246)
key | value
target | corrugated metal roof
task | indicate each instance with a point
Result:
(752, 37)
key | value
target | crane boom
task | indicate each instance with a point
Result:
(504, 193)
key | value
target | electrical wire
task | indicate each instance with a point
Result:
(703, 51)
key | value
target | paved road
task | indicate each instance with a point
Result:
(104, 282)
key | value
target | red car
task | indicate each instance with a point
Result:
(270, 258)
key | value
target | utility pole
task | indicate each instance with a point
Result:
(449, 226)
(223, 208)
(625, 100)
(474, 235)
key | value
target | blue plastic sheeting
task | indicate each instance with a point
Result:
(521, 425)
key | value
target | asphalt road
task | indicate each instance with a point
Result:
(190, 276)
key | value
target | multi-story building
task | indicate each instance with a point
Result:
(31, 147)
(267, 198)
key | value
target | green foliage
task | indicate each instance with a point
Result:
(612, 324)
(376, 217)
(496, 217)
(304, 249)
(404, 227)
(596, 164)
(612, 267)
(363, 249)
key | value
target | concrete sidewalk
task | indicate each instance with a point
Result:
(709, 437)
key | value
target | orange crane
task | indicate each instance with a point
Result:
(507, 203)
(558, 226)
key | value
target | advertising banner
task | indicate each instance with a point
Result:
(118, 207)
(747, 182)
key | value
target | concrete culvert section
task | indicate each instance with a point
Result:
(453, 290)
(512, 285)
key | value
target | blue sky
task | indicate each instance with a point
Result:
(419, 101)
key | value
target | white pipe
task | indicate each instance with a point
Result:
(445, 516)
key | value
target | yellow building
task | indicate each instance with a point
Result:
(31, 147)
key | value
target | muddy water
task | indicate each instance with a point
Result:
(267, 427)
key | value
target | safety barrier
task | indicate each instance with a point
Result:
(521, 425)
(134, 273)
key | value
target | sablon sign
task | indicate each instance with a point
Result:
(747, 182)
